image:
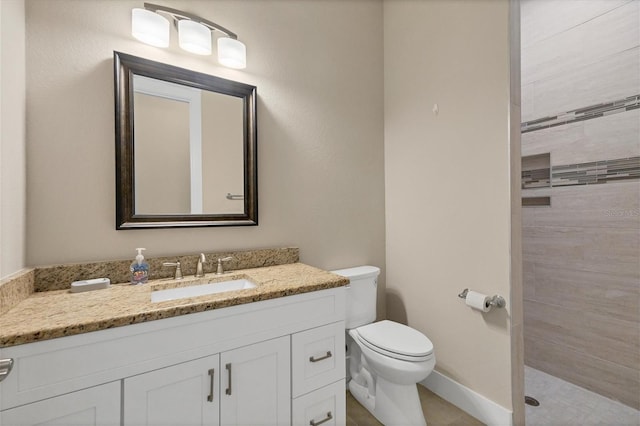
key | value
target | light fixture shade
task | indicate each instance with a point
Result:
(194, 37)
(232, 53)
(149, 27)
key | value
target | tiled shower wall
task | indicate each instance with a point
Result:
(580, 87)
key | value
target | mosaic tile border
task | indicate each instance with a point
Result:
(538, 178)
(582, 114)
(595, 172)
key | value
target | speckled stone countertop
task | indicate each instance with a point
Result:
(52, 314)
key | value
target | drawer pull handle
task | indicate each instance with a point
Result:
(211, 374)
(228, 390)
(326, 419)
(328, 355)
(5, 368)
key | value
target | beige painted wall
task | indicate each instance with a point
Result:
(448, 224)
(12, 137)
(318, 66)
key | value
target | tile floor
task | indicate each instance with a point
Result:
(437, 412)
(563, 403)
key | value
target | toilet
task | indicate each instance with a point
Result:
(385, 359)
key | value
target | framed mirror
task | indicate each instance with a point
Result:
(186, 147)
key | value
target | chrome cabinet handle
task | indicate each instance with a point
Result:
(212, 372)
(228, 390)
(5, 367)
(326, 419)
(328, 355)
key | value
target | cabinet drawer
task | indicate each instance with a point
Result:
(325, 406)
(96, 406)
(317, 358)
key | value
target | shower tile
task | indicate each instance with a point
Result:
(611, 136)
(611, 250)
(563, 403)
(598, 206)
(526, 102)
(605, 294)
(609, 379)
(594, 40)
(614, 77)
(581, 330)
(538, 24)
(529, 280)
(553, 140)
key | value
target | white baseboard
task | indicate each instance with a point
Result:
(472, 402)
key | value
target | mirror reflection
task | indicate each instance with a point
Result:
(196, 137)
(185, 147)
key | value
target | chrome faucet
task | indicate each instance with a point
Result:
(178, 274)
(199, 269)
(220, 269)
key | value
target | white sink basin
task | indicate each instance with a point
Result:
(201, 290)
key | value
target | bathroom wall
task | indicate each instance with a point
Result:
(318, 67)
(581, 253)
(12, 137)
(448, 203)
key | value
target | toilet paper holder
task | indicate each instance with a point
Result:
(496, 301)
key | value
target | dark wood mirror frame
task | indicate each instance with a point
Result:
(125, 67)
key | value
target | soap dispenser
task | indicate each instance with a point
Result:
(139, 269)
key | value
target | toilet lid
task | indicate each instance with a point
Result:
(396, 338)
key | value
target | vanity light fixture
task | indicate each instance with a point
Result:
(194, 37)
(194, 33)
(150, 28)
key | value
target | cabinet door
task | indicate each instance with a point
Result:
(99, 405)
(183, 394)
(256, 387)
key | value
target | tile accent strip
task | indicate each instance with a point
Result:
(539, 178)
(581, 114)
(605, 171)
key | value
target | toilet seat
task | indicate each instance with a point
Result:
(396, 340)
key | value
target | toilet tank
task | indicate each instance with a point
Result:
(360, 295)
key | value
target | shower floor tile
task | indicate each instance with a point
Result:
(563, 403)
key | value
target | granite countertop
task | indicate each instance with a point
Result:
(51, 314)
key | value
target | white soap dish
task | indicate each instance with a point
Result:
(88, 285)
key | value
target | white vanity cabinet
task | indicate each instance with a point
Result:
(259, 363)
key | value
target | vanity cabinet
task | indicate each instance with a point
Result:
(259, 363)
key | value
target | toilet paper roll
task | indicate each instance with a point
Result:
(478, 301)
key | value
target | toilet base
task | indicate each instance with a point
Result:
(393, 404)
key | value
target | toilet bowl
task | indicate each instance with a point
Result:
(385, 359)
